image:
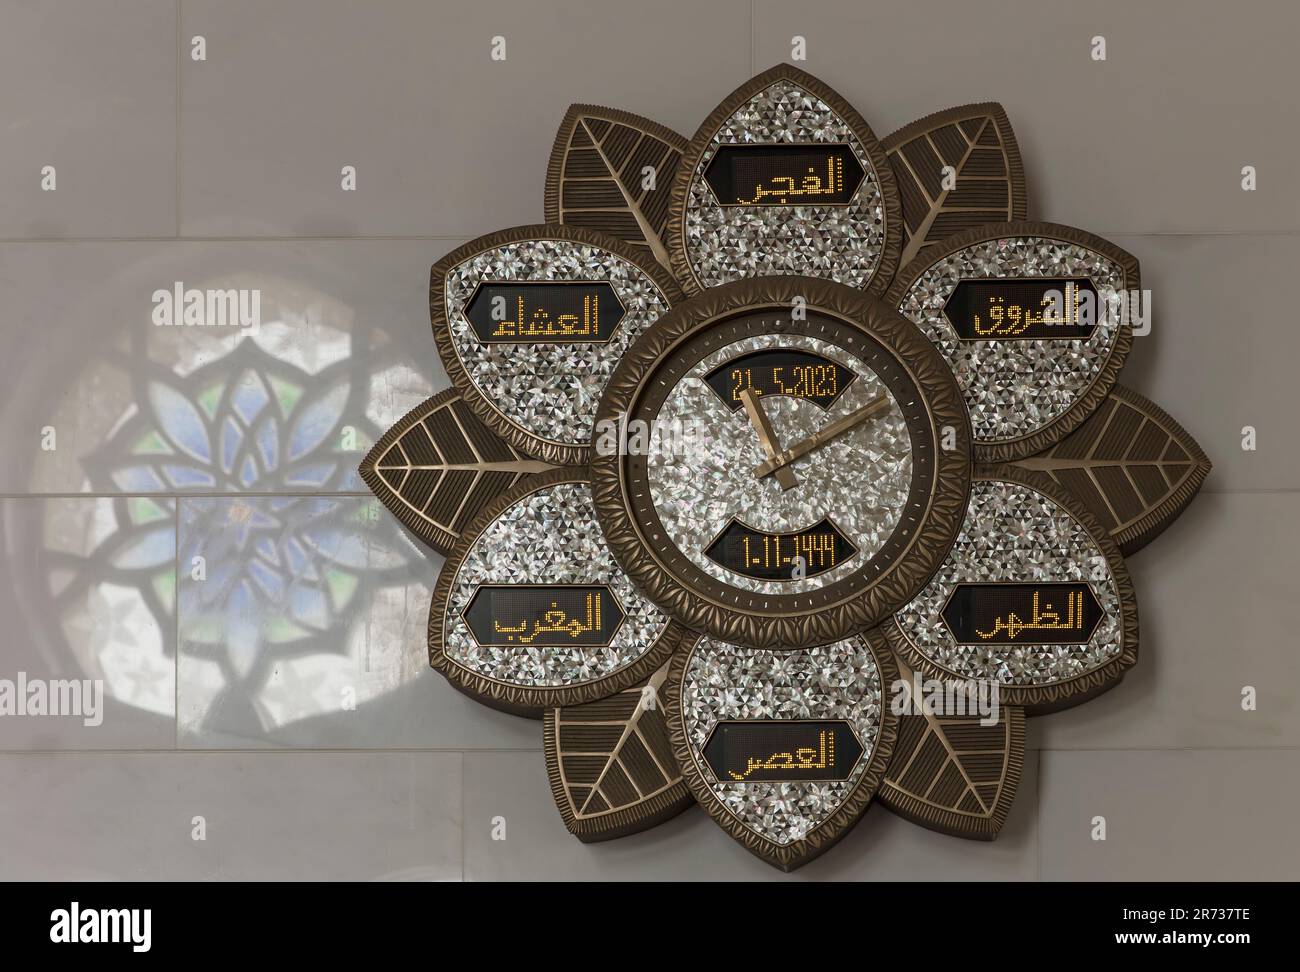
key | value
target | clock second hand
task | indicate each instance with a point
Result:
(819, 438)
(766, 436)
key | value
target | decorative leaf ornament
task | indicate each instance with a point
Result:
(1133, 465)
(613, 171)
(953, 774)
(439, 465)
(611, 763)
(985, 181)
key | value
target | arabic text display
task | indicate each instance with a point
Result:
(544, 312)
(782, 750)
(541, 616)
(1022, 614)
(784, 175)
(1023, 310)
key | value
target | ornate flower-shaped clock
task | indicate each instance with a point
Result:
(759, 429)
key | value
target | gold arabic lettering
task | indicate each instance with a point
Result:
(804, 758)
(1014, 319)
(811, 184)
(541, 325)
(1044, 619)
(554, 621)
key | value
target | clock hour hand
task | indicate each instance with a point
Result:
(782, 460)
(766, 436)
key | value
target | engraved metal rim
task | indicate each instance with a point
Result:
(1020, 448)
(705, 607)
(560, 453)
(836, 824)
(675, 230)
(528, 699)
(1040, 699)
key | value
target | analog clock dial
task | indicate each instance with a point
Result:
(821, 516)
(779, 477)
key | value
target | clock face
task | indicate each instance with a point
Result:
(844, 507)
(780, 467)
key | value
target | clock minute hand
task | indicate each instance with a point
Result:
(766, 436)
(822, 436)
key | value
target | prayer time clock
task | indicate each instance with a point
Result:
(773, 458)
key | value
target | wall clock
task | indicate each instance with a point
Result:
(763, 429)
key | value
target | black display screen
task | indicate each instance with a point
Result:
(1018, 614)
(776, 556)
(779, 750)
(1023, 310)
(784, 175)
(543, 616)
(796, 374)
(544, 312)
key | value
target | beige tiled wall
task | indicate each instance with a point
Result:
(226, 697)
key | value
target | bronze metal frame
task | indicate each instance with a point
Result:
(462, 488)
(918, 784)
(924, 198)
(631, 793)
(821, 838)
(603, 212)
(1104, 459)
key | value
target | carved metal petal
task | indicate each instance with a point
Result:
(951, 773)
(611, 764)
(987, 177)
(1134, 466)
(439, 465)
(597, 176)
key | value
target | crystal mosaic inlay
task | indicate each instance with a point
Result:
(548, 537)
(1012, 387)
(1014, 534)
(860, 480)
(725, 682)
(843, 243)
(550, 390)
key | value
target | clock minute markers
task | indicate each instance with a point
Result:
(767, 436)
(782, 460)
